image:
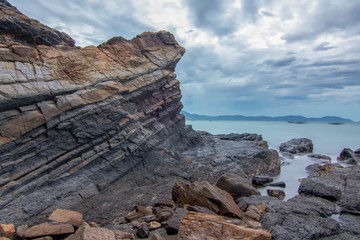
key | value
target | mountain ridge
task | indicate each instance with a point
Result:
(289, 118)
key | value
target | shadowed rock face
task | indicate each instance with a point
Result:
(99, 128)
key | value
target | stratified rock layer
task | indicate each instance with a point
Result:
(72, 118)
(99, 128)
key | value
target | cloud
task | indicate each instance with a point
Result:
(286, 61)
(324, 17)
(323, 46)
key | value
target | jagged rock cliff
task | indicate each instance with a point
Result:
(88, 128)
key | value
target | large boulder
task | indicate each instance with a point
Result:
(297, 145)
(206, 195)
(237, 186)
(338, 184)
(300, 218)
(196, 225)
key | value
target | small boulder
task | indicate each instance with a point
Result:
(66, 216)
(85, 232)
(261, 180)
(297, 145)
(123, 235)
(48, 229)
(143, 231)
(196, 225)
(157, 236)
(256, 212)
(278, 184)
(237, 186)
(172, 225)
(163, 214)
(7, 230)
(154, 225)
(280, 194)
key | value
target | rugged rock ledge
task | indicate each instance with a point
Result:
(99, 129)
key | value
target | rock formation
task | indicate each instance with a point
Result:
(99, 129)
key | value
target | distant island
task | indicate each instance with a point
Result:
(290, 118)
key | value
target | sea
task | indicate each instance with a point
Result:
(328, 139)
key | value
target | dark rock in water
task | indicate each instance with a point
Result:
(260, 180)
(297, 145)
(278, 193)
(319, 156)
(278, 184)
(237, 186)
(339, 184)
(349, 155)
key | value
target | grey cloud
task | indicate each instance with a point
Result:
(218, 17)
(268, 14)
(324, 46)
(281, 62)
(327, 17)
(211, 15)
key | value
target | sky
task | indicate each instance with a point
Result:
(243, 57)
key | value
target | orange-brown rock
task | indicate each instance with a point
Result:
(256, 212)
(123, 235)
(7, 230)
(85, 232)
(196, 225)
(48, 229)
(67, 216)
(206, 195)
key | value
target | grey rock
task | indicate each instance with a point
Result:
(297, 145)
(143, 231)
(261, 180)
(319, 156)
(339, 184)
(347, 153)
(278, 184)
(237, 186)
(278, 193)
(300, 218)
(173, 224)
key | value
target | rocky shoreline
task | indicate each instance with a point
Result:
(93, 146)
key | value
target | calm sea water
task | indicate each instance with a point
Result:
(327, 138)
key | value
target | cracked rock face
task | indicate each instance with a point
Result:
(71, 118)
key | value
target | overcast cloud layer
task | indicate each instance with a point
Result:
(249, 57)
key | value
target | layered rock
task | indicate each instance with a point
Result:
(73, 118)
(99, 128)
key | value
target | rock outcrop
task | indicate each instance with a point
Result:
(99, 128)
